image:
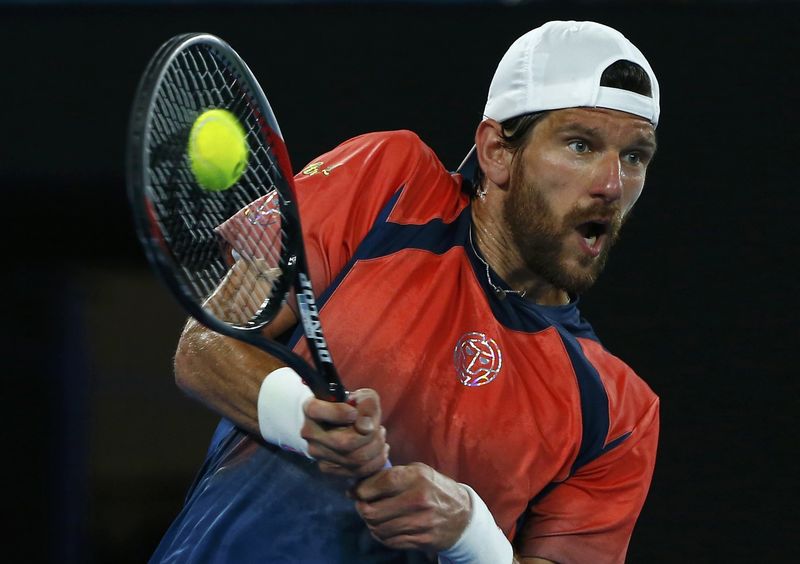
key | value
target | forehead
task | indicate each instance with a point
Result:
(599, 121)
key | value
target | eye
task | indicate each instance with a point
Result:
(633, 158)
(579, 146)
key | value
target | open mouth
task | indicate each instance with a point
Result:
(591, 231)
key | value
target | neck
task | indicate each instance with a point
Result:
(500, 253)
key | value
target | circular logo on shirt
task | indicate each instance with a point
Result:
(477, 359)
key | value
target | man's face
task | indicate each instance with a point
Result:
(571, 188)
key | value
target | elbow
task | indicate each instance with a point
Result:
(185, 361)
(181, 367)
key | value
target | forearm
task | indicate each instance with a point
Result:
(244, 385)
(222, 373)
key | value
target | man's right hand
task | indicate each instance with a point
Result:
(347, 438)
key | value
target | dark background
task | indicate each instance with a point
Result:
(99, 446)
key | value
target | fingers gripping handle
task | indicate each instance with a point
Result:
(281, 399)
(353, 400)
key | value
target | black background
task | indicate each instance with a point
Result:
(99, 446)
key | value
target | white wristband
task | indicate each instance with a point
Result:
(482, 542)
(280, 409)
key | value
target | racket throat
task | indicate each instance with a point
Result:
(309, 317)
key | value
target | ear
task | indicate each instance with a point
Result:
(493, 157)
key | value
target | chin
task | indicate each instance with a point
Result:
(577, 286)
(577, 279)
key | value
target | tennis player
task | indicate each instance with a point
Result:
(450, 304)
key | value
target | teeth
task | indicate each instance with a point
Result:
(590, 240)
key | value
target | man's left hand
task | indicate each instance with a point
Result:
(413, 507)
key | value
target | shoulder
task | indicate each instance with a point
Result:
(617, 377)
(401, 141)
(631, 401)
(393, 150)
(372, 169)
(616, 373)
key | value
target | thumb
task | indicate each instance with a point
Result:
(368, 406)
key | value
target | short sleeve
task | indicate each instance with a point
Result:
(341, 194)
(590, 516)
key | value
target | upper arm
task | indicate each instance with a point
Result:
(339, 197)
(285, 319)
(342, 193)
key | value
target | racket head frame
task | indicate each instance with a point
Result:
(324, 381)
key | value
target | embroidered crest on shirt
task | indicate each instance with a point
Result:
(477, 359)
(317, 167)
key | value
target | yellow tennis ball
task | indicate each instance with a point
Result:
(217, 150)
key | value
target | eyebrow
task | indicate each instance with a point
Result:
(577, 127)
(648, 142)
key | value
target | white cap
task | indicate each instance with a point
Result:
(559, 65)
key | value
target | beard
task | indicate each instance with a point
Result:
(539, 235)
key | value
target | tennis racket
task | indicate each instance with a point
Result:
(231, 257)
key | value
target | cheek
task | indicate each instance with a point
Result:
(555, 177)
(632, 195)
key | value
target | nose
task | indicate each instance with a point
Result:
(609, 179)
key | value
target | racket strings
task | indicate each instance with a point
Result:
(230, 245)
